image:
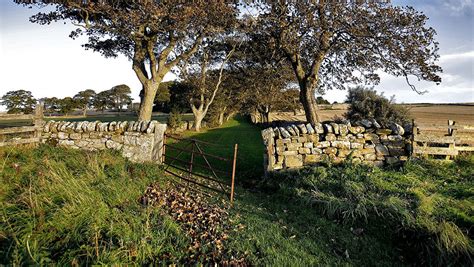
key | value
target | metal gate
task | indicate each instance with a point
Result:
(186, 159)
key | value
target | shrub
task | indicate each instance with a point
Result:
(367, 104)
(175, 119)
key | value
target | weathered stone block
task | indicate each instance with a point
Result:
(394, 151)
(330, 150)
(330, 137)
(342, 153)
(310, 129)
(381, 150)
(282, 142)
(308, 144)
(312, 158)
(293, 146)
(302, 128)
(391, 160)
(370, 157)
(356, 145)
(335, 127)
(341, 144)
(316, 151)
(395, 138)
(289, 153)
(343, 129)
(328, 128)
(383, 131)
(293, 161)
(367, 145)
(371, 136)
(318, 127)
(323, 144)
(304, 150)
(302, 139)
(75, 136)
(314, 138)
(63, 135)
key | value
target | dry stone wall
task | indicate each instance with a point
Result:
(296, 145)
(138, 141)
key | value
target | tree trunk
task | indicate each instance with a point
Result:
(198, 117)
(221, 117)
(307, 98)
(84, 112)
(146, 106)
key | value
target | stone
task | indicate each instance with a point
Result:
(328, 128)
(276, 132)
(302, 128)
(308, 145)
(381, 150)
(47, 126)
(291, 130)
(304, 150)
(370, 157)
(391, 160)
(335, 127)
(397, 129)
(113, 145)
(366, 145)
(294, 146)
(355, 129)
(342, 153)
(267, 136)
(318, 127)
(316, 151)
(330, 137)
(395, 151)
(117, 138)
(284, 132)
(281, 142)
(63, 135)
(343, 129)
(295, 128)
(314, 138)
(312, 158)
(342, 138)
(356, 145)
(302, 139)
(323, 144)
(310, 128)
(65, 143)
(375, 124)
(341, 144)
(294, 139)
(408, 127)
(395, 138)
(112, 126)
(330, 150)
(364, 122)
(371, 136)
(75, 136)
(293, 161)
(383, 131)
(365, 151)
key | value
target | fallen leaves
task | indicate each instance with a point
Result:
(206, 224)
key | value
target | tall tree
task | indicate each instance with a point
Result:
(120, 96)
(66, 105)
(204, 80)
(103, 101)
(333, 44)
(85, 100)
(18, 101)
(155, 35)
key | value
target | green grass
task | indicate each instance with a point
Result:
(66, 206)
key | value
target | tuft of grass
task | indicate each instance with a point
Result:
(71, 207)
(429, 203)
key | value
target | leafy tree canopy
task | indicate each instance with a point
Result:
(19, 101)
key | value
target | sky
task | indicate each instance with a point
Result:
(45, 61)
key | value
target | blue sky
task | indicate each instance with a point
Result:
(44, 60)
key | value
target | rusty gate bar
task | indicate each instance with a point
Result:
(188, 171)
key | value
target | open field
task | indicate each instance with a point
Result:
(424, 114)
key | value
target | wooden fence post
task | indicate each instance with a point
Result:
(38, 120)
(234, 163)
(451, 132)
(413, 137)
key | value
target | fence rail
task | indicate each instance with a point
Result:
(187, 170)
(37, 120)
(428, 141)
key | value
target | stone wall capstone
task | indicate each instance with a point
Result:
(139, 141)
(296, 145)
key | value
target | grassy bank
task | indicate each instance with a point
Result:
(70, 207)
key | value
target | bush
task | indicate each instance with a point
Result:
(175, 119)
(367, 104)
(426, 207)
